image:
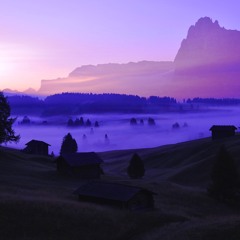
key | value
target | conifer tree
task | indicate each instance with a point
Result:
(136, 167)
(224, 176)
(7, 134)
(69, 145)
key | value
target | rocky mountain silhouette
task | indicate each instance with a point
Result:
(207, 64)
(209, 48)
(208, 61)
(139, 78)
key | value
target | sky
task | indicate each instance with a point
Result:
(47, 39)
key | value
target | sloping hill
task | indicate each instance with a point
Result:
(37, 203)
(187, 163)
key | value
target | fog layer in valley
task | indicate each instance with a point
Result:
(122, 135)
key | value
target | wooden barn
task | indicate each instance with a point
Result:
(116, 195)
(82, 165)
(222, 131)
(37, 147)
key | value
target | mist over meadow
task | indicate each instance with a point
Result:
(115, 131)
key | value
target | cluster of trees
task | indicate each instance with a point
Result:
(26, 104)
(150, 121)
(176, 125)
(88, 103)
(79, 122)
(214, 101)
(78, 103)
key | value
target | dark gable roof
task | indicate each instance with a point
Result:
(36, 142)
(110, 191)
(223, 128)
(80, 159)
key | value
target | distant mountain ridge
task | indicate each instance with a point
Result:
(207, 64)
(116, 68)
(129, 78)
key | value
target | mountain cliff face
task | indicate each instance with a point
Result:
(123, 69)
(206, 65)
(209, 47)
(142, 78)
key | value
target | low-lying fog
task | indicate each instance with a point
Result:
(122, 135)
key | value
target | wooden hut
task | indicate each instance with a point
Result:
(222, 131)
(82, 165)
(37, 147)
(115, 194)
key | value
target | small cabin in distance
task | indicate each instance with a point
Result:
(116, 195)
(222, 131)
(37, 147)
(85, 165)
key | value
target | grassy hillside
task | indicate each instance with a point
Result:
(37, 203)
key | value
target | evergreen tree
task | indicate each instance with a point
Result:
(96, 124)
(7, 134)
(69, 145)
(136, 167)
(70, 122)
(88, 123)
(224, 176)
(151, 122)
(133, 121)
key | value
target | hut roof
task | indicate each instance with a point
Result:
(223, 128)
(110, 191)
(36, 142)
(80, 159)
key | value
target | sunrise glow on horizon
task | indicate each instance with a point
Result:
(49, 39)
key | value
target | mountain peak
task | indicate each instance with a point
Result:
(206, 22)
(204, 26)
(209, 46)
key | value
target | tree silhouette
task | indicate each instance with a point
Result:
(224, 176)
(7, 134)
(88, 123)
(176, 125)
(69, 145)
(151, 122)
(96, 124)
(77, 122)
(26, 120)
(133, 121)
(70, 122)
(136, 167)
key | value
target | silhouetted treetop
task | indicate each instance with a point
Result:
(69, 145)
(136, 167)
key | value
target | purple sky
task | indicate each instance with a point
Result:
(46, 39)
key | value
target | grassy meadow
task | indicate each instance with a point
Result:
(36, 203)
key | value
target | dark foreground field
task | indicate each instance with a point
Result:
(36, 203)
